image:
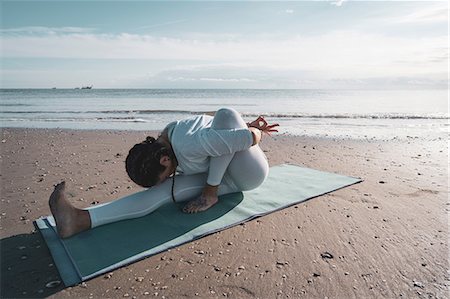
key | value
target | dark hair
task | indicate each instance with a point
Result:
(142, 163)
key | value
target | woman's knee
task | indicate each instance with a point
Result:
(227, 112)
(228, 118)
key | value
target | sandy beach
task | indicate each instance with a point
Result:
(388, 236)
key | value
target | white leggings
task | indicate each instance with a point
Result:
(241, 171)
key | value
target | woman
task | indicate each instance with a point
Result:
(212, 156)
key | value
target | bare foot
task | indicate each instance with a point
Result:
(200, 204)
(69, 220)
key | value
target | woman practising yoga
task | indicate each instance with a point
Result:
(205, 156)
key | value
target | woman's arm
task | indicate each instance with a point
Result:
(257, 135)
(226, 141)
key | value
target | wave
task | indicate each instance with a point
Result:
(348, 116)
(130, 115)
(111, 111)
(14, 105)
(99, 119)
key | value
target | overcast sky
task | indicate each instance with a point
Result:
(304, 44)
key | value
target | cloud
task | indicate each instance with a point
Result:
(338, 54)
(39, 30)
(431, 14)
(289, 11)
(338, 3)
(221, 80)
(350, 50)
(232, 76)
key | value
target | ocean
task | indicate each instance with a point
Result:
(379, 114)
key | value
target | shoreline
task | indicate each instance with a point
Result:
(388, 235)
(407, 138)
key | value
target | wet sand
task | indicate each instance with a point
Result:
(386, 237)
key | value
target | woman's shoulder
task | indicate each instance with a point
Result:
(194, 123)
(185, 139)
(187, 131)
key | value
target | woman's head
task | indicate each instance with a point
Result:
(148, 162)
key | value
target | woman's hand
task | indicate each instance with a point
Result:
(261, 124)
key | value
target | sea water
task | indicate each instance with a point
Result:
(384, 114)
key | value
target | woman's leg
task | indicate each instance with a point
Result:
(145, 202)
(248, 168)
(71, 220)
(224, 118)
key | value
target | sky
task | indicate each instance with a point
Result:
(225, 44)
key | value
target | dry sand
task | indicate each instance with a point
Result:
(388, 235)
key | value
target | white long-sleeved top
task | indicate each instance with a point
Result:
(194, 141)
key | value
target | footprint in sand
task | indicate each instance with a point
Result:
(422, 192)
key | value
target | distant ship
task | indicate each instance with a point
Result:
(86, 87)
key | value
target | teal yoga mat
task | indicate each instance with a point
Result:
(108, 247)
